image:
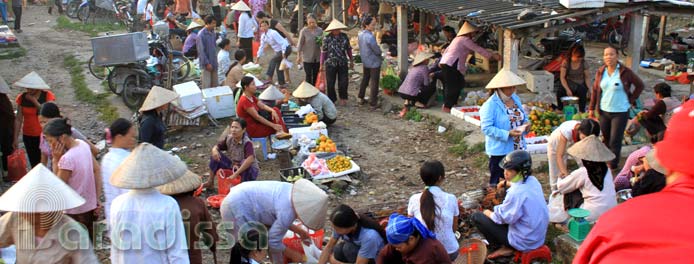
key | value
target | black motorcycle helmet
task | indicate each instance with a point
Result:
(518, 160)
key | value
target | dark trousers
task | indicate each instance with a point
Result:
(17, 17)
(275, 62)
(246, 44)
(612, 126)
(87, 219)
(328, 121)
(371, 76)
(578, 90)
(32, 147)
(311, 69)
(495, 171)
(453, 83)
(6, 140)
(336, 74)
(217, 13)
(423, 96)
(496, 234)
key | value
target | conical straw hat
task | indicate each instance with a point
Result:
(467, 28)
(335, 25)
(147, 167)
(591, 149)
(157, 97)
(40, 191)
(257, 81)
(4, 88)
(421, 57)
(310, 204)
(654, 163)
(32, 81)
(505, 78)
(305, 90)
(194, 25)
(190, 181)
(271, 94)
(241, 6)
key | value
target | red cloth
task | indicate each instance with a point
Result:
(654, 228)
(254, 128)
(31, 126)
(675, 151)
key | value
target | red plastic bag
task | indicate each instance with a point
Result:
(254, 48)
(225, 182)
(17, 165)
(320, 84)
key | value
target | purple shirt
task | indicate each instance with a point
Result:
(78, 160)
(207, 52)
(459, 49)
(622, 181)
(417, 77)
(191, 40)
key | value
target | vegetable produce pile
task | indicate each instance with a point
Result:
(390, 82)
(543, 122)
(339, 164)
(324, 144)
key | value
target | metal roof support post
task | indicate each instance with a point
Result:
(402, 40)
(344, 11)
(274, 9)
(510, 55)
(638, 31)
(333, 9)
(500, 42)
(300, 23)
(661, 33)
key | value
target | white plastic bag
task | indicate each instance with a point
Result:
(312, 253)
(557, 214)
(304, 110)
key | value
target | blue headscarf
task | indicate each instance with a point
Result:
(401, 227)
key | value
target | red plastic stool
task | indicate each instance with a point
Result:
(541, 253)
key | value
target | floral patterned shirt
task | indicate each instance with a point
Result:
(516, 117)
(336, 49)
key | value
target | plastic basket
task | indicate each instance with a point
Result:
(294, 121)
(225, 182)
(294, 241)
(285, 173)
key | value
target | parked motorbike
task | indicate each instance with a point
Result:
(72, 7)
(122, 12)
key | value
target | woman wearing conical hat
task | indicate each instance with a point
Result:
(593, 180)
(336, 56)
(453, 63)
(143, 211)
(190, 48)
(416, 89)
(194, 213)
(28, 104)
(35, 222)
(152, 127)
(247, 28)
(325, 108)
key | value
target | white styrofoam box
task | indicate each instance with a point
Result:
(220, 101)
(582, 3)
(470, 118)
(459, 113)
(189, 95)
(534, 146)
(538, 81)
(312, 134)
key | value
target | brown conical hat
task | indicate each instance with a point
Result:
(310, 203)
(32, 81)
(147, 167)
(157, 97)
(189, 182)
(466, 28)
(271, 94)
(40, 191)
(335, 25)
(591, 149)
(421, 57)
(305, 90)
(505, 78)
(240, 6)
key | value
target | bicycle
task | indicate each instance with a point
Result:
(72, 7)
(352, 17)
(86, 8)
(287, 8)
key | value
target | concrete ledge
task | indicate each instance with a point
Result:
(565, 248)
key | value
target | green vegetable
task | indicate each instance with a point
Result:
(390, 82)
(414, 115)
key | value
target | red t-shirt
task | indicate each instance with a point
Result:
(653, 228)
(254, 128)
(31, 126)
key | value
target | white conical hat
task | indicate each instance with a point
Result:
(310, 203)
(147, 167)
(335, 25)
(190, 181)
(241, 6)
(4, 88)
(305, 90)
(32, 81)
(591, 149)
(467, 28)
(271, 94)
(505, 78)
(421, 57)
(40, 191)
(257, 81)
(193, 25)
(157, 97)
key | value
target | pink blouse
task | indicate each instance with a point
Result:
(459, 49)
(78, 160)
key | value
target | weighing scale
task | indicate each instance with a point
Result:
(578, 225)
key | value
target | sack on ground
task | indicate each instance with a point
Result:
(557, 214)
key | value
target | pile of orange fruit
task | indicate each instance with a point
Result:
(311, 118)
(324, 144)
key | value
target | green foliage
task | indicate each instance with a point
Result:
(107, 112)
(414, 115)
(12, 53)
(92, 29)
(390, 82)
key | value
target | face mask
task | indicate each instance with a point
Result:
(517, 178)
(503, 96)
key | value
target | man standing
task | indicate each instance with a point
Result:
(17, 7)
(207, 52)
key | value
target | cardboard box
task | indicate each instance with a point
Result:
(190, 96)
(538, 81)
(485, 64)
(220, 101)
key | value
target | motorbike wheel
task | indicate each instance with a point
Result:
(181, 68)
(115, 76)
(72, 8)
(83, 13)
(98, 71)
(131, 97)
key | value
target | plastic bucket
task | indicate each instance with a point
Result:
(225, 182)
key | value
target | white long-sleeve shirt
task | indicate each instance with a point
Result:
(223, 65)
(155, 219)
(274, 39)
(247, 26)
(109, 163)
(594, 200)
(266, 202)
